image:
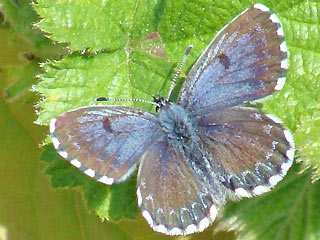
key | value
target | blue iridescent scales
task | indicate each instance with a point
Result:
(204, 150)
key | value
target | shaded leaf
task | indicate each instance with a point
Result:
(115, 202)
(18, 19)
(290, 211)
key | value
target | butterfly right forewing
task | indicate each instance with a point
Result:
(246, 61)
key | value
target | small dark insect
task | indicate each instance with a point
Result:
(204, 149)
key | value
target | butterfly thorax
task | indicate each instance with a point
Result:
(176, 122)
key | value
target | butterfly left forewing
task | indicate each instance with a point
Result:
(246, 61)
(253, 149)
(105, 142)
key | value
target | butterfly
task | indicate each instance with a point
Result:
(203, 150)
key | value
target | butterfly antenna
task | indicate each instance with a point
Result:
(108, 99)
(173, 83)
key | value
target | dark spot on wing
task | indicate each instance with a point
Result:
(107, 125)
(224, 60)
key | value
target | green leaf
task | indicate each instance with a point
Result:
(97, 25)
(77, 80)
(290, 211)
(309, 147)
(30, 208)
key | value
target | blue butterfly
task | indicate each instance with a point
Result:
(206, 148)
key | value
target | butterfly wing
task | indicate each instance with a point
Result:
(176, 192)
(252, 148)
(105, 142)
(244, 62)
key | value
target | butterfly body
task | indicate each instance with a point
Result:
(196, 154)
(176, 123)
(180, 129)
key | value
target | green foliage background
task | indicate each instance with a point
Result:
(121, 48)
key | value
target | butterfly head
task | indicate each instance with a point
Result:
(160, 101)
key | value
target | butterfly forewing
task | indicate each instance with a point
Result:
(105, 142)
(176, 192)
(254, 150)
(245, 61)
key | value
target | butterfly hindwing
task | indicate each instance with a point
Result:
(105, 142)
(253, 149)
(246, 61)
(176, 192)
